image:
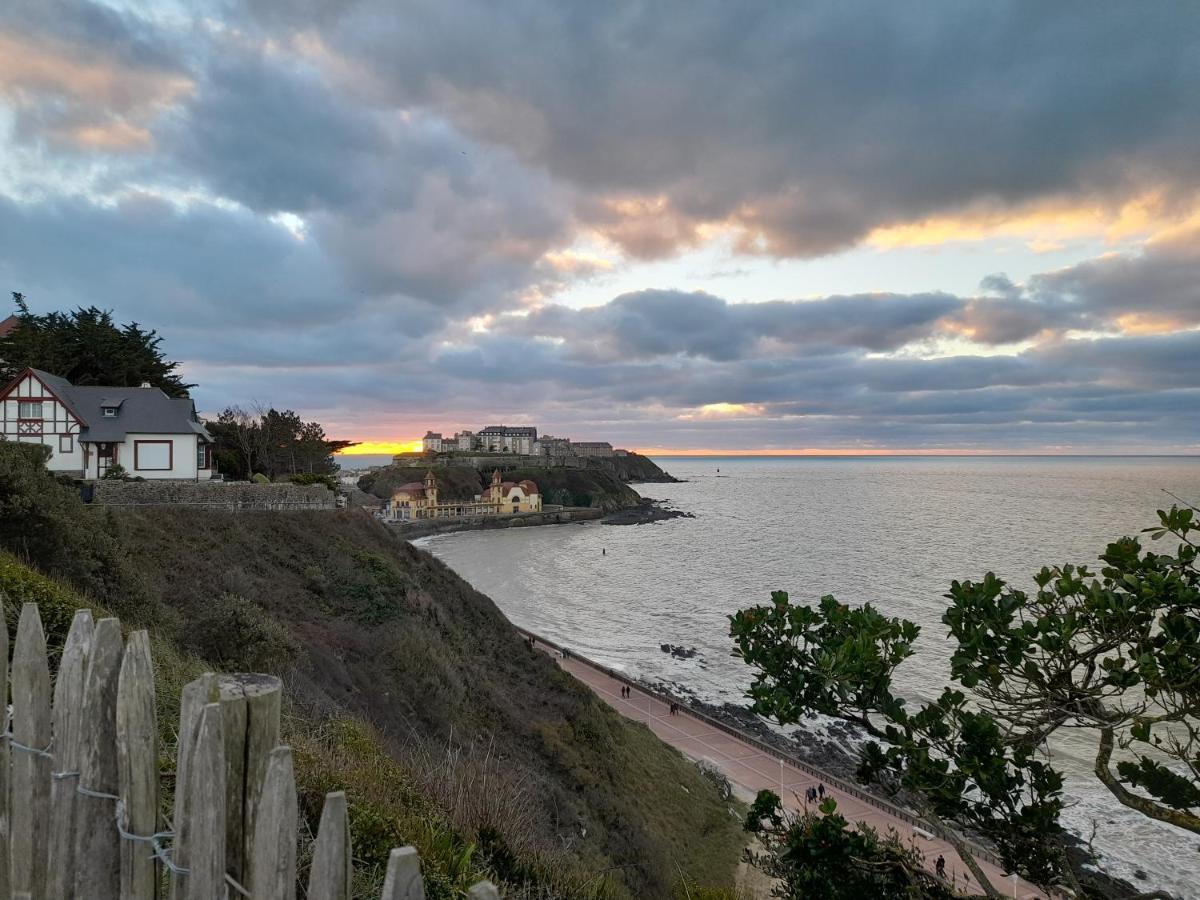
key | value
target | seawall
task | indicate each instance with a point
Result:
(423, 528)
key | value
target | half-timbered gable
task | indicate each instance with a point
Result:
(36, 410)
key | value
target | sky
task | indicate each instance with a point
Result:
(946, 226)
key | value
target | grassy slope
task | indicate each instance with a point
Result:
(384, 632)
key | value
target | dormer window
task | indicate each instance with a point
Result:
(109, 412)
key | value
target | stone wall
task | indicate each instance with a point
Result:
(213, 495)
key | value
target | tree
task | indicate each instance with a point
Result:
(87, 347)
(814, 856)
(272, 442)
(1114, 654)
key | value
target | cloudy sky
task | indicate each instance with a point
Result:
(959, 225)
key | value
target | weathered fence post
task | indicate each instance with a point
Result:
(273, 865)
(137, 768)
(331, 872)
(5, 821)
(97, 844)
(68, 756)
(28, 846)
(250, 708)
(403, 879)
(200, 818)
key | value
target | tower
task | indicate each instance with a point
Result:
(496, 489)
(430, 488)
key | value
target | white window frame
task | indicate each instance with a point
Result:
(26, 409)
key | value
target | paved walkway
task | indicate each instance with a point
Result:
(748, 767)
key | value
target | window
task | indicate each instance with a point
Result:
(202, 456)
(66, 443)
(109, 411)
(153, 456)
(29, 409)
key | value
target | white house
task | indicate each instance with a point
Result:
(90, 429)
(432, 442)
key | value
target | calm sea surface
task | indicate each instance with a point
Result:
(892, 531)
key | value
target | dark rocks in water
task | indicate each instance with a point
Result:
(678, 652)
(646, 511)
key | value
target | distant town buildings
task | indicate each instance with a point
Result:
(420, 500)
(521, 440)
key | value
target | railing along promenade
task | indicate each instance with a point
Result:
(841, 784)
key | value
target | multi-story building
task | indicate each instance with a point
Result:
(552, 446)
(432, 442)
(465, 441)
(508, 439)
(592, 448)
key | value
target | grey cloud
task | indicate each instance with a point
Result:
(810, 124)
(664, 323)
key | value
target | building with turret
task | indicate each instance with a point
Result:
(420, 500)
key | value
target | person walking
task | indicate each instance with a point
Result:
(940, 866)
(821, 790)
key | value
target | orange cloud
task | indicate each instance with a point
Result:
(1044, 226)
(83, 98)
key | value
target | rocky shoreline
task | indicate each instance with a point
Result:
(646, 511)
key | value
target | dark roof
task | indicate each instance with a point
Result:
(511, 430)
(142, 410)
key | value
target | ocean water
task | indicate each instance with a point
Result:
(893, 531)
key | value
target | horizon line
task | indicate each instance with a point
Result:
(386, 448)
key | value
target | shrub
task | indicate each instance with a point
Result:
(313, 478)
(238, 636)
(116, 472)
(260, 478)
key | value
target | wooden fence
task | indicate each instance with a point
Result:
(79, 784)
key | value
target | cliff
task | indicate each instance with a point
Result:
(598, 488)
(406, 687)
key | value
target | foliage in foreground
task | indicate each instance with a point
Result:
(814, 855)
(1114, 654)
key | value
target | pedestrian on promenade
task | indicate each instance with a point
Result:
(940, 866)
(821, 790)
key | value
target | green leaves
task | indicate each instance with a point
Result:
(1115, 652)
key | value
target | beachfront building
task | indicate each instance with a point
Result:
(91, 429)
(592, 448)
(508, 439)
(432, 442)
(420, 500)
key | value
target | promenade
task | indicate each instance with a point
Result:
(751, 768)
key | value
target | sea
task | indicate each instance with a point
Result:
(894, 531)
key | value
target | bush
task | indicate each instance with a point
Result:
(313, 478)
(238, 636)
(43, 521)
(260, 478)
(116, 472)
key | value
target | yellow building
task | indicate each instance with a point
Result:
(419, 500)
